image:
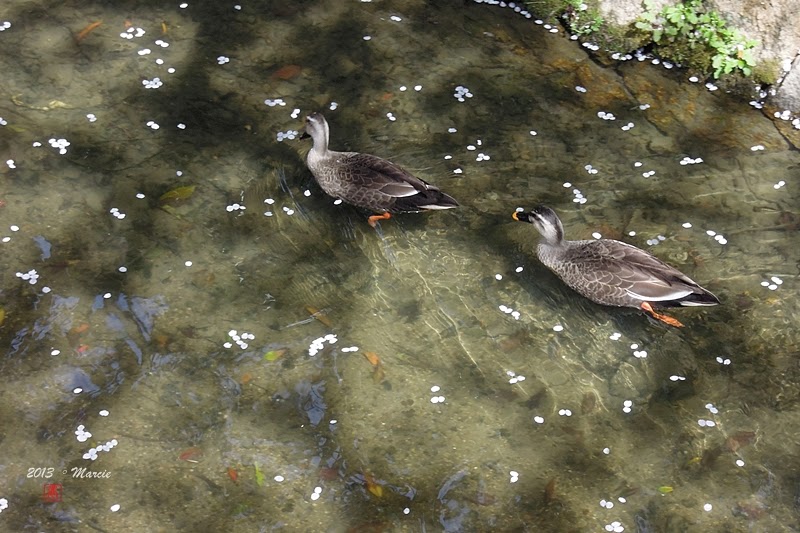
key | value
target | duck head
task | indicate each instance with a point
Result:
(317, 129)
(545, 221)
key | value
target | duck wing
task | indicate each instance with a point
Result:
(372, 172)
(638, 273)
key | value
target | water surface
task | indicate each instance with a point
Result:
(180, 334)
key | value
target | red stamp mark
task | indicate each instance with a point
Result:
(52, 492)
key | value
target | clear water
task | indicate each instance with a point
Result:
(119, 324)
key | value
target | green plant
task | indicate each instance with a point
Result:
(581, 19)
(687, 30)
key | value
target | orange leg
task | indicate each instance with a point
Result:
(375, 218)
(647, 308)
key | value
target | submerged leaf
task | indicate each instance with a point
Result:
(259, 475)
(74, 334)
(550, 491)
(161, 340)
(372, 486)
(319, 315)
(274, 355)
(171, 210)
(287, 72)
(666, 489)
(739, 439)
(190, 454)
(80, 328)
(373, 358)
(378, 374)
(328, 473)
(87, 30)
(177, 195)
(2, 316)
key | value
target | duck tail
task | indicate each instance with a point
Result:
(702, 297)
(426, 200)
(443, 201)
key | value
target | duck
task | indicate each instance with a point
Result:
(368, 181)
(611, 272)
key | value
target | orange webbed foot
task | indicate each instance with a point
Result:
(647, 308)
(375, 218)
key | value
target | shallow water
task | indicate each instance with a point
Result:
(124, 332)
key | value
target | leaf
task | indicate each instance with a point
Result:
(2, 315)
(190, 454)
(328, 473)
(378, 374)
(372, 486)
(730, 65)
(259, 476)
(287, 72)
(319, 315)
(87, 30)
(233, 474)
(74, 334)
(666, 489)
(177, 195)
(80, 328)
(740, 439)
(161, 340)
(550, 491)
(373, 358)
(274, 355)
(657, 35)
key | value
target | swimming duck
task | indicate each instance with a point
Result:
(611, 272)
(368, 181)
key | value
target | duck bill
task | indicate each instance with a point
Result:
(521, 216)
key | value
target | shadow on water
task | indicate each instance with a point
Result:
(256, 433)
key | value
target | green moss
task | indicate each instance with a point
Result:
(766, 72)
(548, 9)
(620, 38)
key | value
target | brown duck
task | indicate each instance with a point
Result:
(368, 181)
(611, 272)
